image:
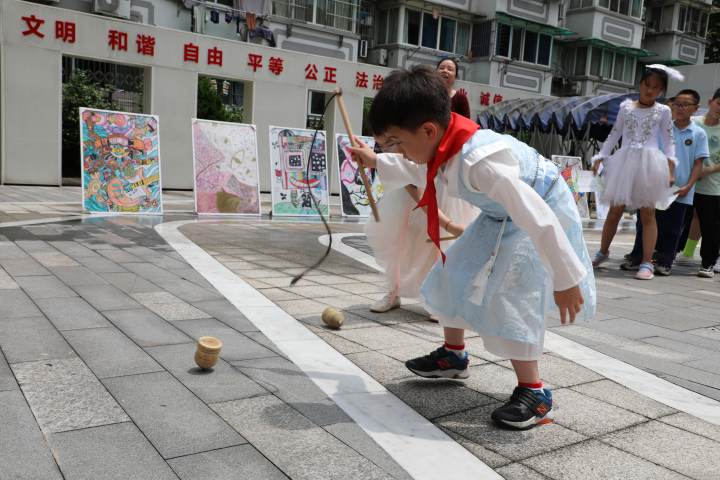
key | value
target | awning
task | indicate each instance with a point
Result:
(532, 26)
(596, 42)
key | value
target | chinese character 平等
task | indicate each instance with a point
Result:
(275, 65)
(254, 61)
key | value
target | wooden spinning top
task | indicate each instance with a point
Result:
(207, 353)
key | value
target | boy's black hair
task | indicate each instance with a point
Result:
(716, 95)
(655, 72)
(410, 98)
(691, 92)
(457, 66)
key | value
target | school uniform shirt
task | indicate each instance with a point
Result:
(710, 185)
(690, 144)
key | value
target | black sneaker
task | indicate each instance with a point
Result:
(440, 364)
(525, 409)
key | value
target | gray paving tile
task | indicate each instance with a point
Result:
(232, 463)
(45, 286)
(378, 338)
(490, 458)
(111, 452)
(562, 373)
(176, 422)
(24, 455)
(10, 251)
(693, 425)
(6, 281)
(594, 460)
(106, 297)
(28, 339)
(293, 443)
(176, 311)
(610, 392)
(433, 398)
(145, 328)
(518, 471)
(77, 276)
(700, 388)
(236, 346)
(23, 267)
(119, 256)
(130, 283)
(73, 249)
(64, 395)
(350, 320)
(101, 265)
(15, 303)
(338, 343)
(590, 416)
(492, 380)
(305, 306)
(673, 448)
(226, 312)
(393, 317)
(7, 380)
(221, 384)
(381, 367)
(477, 426)
(356, 438)
(265, 342)
(71, 313)
(290, 384)
(109, 353)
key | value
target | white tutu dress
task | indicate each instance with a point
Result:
(637, 174)
(399, 240)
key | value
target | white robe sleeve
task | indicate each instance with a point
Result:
(668, 137)
(614, 136)
(396, 171)
(495, 171)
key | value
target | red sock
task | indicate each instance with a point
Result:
(458, 350)
(534, 386)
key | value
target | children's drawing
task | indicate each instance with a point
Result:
(299, 172)
(354, 197)
(225, 164)
(120, 162)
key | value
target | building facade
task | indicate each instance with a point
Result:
(276, 61)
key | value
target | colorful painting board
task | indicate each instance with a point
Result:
(352, 190)
(298, 172)
(120, 162)
(570, 170)
(225, 168)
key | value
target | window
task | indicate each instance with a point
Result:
(481, 34)
(692, 21)
(393, 20)
(629, 69)
(654, 19)
(580, 3)
(544, 49)
(382, 27)
(463, 38)
(340, 14)
(429, 30)
(516, 43)
(502, 44)
(530, 50)
(619, 67)
(581, 61)
(412, 27)
(607, 64)
(595, 61)
(447, 34)
(623, 7)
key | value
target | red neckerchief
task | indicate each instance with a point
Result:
(458, 132)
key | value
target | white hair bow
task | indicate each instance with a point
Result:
(671, 72)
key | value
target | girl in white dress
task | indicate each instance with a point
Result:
(638, 174)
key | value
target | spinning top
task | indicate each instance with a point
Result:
(333, 318)
(208, 350)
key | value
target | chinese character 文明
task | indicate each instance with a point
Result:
(311, 71)
(33, 26)
(254, 61)
(118, 40)
(191, 53)
(330, 73)
(65, 31)
(215, 56)
(275, 65)
(146, 45)
(377, 81)
(485, 98)
(361, 79)
(497, 98)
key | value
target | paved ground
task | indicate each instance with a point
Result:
(97, 326)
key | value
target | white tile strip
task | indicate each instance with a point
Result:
(417, 445)
(625, 374)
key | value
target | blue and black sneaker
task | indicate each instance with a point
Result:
(440, 364)
(525, 409)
